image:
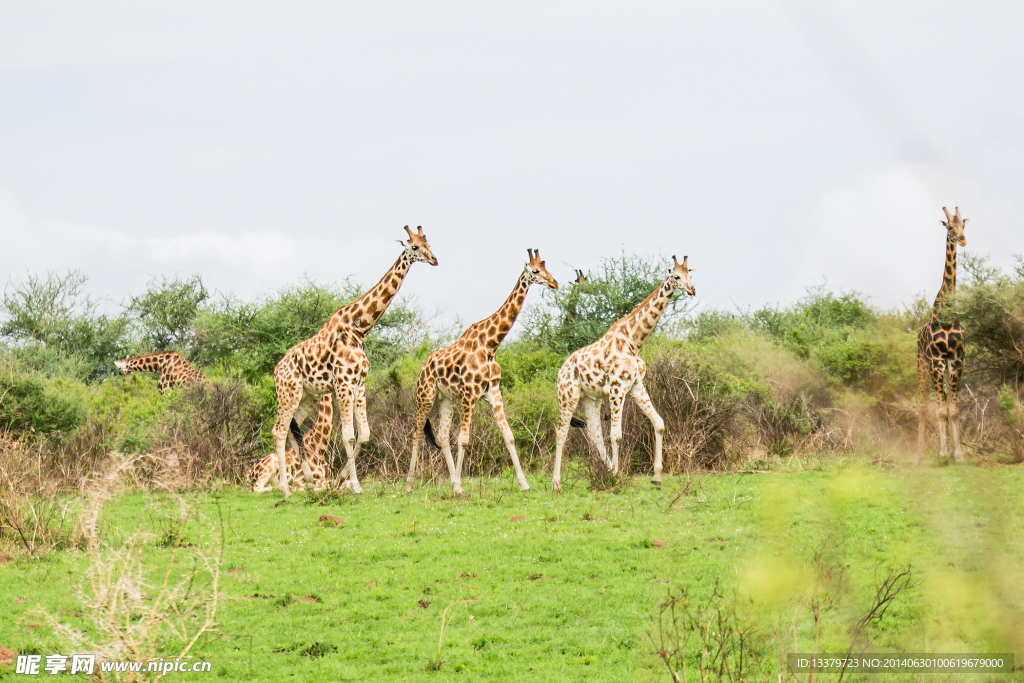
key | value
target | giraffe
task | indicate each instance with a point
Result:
(173, 368)
(612, 368)
(315, 441)
(940, 353)
(332, 360)
(465, 372)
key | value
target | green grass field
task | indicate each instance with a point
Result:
(571, 592)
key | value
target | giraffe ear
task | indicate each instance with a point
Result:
(404, 244)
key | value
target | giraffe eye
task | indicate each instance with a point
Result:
(415, 248)
(536, 272)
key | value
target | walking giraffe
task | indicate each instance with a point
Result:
(262, 475)
(940, 353)
(173, 368)
(332, 360)
(611, 368)
(466, 372)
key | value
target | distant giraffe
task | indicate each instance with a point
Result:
(465, 372)
(332, 360)
(940, 353)
(263, 474)
(174, 370)
(612, 368)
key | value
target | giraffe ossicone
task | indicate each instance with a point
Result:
(940, 353)
(333, 361)
(611, 369)
(466, 372)
(173, 368)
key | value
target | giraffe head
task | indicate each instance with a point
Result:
(536, 272)
(679, 275)
(580, 280)
(955, 226)
(122, 365)
(417, 248)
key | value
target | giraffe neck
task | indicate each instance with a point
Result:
(361, 315)
(948, 276)
(491, 331)
(151, 362)
(641, 321)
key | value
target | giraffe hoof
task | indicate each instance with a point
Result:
(408, 488)
(524, 488)
(656, 482)
(556, 486)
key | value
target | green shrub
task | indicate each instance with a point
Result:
(29, 404)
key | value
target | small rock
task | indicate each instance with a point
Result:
(234, 570)
(662, 580)
(658, 544)
(331, 520)
(7, 656)
(307, 598)
(471, 617)
(33, 625)
(423, 603)
(518, 518)
(20, 600)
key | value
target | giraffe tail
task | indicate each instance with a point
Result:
(428, 431)
(576, 422)
(297, 433)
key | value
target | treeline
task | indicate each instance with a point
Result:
(736, 388)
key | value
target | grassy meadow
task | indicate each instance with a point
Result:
(566, 587)
(790, 519)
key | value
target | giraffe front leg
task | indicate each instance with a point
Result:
(346, 410)
(643, 401)
(923, 376)
(568, 398)
(493, 397)
(469, 402)
(615, 402)
(938, 369)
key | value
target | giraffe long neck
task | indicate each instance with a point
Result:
(491, 331)
(361, 315)
(948, 275)
(641, 321)
(151, 362)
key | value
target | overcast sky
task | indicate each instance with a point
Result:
(778, 144)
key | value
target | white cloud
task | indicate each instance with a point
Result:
(118, 263)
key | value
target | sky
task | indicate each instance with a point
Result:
(777, 144)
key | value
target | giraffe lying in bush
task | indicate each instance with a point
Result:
(263, 475)
(333, 360)
(173, 368)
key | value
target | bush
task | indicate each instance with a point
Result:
(30, 405)
(50, 318)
